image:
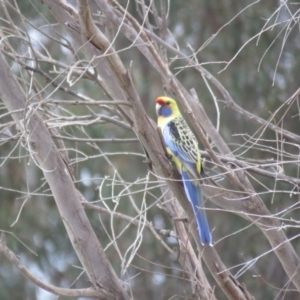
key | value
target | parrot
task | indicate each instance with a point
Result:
(182, 146)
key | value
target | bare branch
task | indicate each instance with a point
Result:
(88, 292)
(44, 151)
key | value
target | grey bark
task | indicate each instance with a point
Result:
(46, 155)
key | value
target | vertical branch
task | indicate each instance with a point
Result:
(44, 152)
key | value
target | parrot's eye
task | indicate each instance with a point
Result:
(168, 102)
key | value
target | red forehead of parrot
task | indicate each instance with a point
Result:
(160, 101)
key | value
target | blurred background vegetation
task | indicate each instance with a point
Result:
(264, 74)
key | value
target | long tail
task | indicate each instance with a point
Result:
(194, 194)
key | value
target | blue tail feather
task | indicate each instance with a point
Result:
(194, 195)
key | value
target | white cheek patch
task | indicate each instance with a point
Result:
(157, 108)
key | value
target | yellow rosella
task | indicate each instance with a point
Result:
(182, 146)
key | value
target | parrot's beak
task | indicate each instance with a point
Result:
(157, 108)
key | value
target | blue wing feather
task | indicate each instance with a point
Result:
(175, 147)
(192, 190)
(168, 140)
(178, 151)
